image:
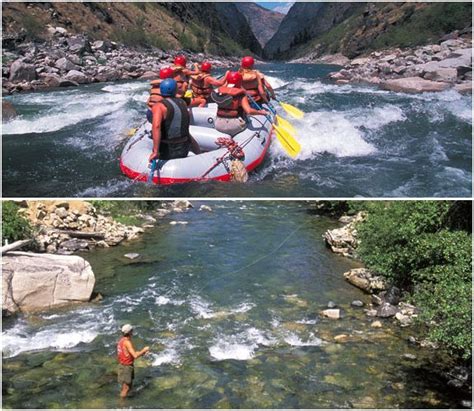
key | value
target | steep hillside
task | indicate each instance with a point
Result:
(263, 22)
(167, 25)
(304, 22)
(332, 28)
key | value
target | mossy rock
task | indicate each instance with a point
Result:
(294, 326)
(166, 383)
(339, 380)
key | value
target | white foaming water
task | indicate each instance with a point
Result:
(295, 341)
(110, 187)
(378, 117)
(81, 326)
(241, 346)
(125, 87)
(329, 132)
(276, 82)
(162, 300)
(168, 356)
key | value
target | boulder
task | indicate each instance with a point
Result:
(365, 280)
(332, 313)
(391, 295)
(50, 79)
(337, 59)
(104, 46)
(74, 245)
(79, 45)
(386, 310)
(40, 281)
(413, 85)
(64, 64)
(464, 88)
(20, 71)
(357, 303)
(67, 83)
(448, 75)
(376, 324)
(77, 76)
(8, 111)
(360, 61)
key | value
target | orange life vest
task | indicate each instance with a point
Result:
(155, 94)
(250, 82)
(199, 86)
(124, 357)
(231, 109)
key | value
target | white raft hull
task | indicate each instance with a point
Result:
(212, 164)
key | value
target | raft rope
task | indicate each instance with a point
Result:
(287, 238)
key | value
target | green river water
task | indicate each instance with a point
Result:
(229, 304)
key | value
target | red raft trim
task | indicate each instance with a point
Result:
(134, 175)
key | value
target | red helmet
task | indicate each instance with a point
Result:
(247, 62)
(234, 78)
(180, 61)
(166, 72)
(206, 67)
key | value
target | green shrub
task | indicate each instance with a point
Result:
(419, 247)
(14, 226)
(33, 27)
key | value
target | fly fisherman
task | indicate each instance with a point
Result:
(126, 355)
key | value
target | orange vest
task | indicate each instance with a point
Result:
(124, 357)
(155, 94)
(250, 82)
(199, 86)
(234, 109)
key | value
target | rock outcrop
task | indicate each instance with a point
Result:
(430, 68)
(344, 240)
(365, 280)
(40, 281)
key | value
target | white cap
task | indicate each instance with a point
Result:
(127, 328)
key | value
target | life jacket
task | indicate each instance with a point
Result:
(180, 78)
(199, 86)
(250, 82)
(155, 94)
(175, 138)
(229, 102)
(124, 357)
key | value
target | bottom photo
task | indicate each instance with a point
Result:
(236, 304)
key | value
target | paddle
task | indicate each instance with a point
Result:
(283, 122)
(291, 110)
(288, 142)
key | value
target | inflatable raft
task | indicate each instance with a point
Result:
(214, 161)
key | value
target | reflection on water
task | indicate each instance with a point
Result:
(229, 304)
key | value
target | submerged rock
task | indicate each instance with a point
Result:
(331, 304)
(357, 303)
(8, 111)
(333, 314)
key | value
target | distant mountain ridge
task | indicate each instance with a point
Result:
(356, 28)
(263, 22)
(217, 28)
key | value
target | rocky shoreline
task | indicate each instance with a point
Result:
(430, 68)
(65, 60)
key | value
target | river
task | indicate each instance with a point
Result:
(229, 304)
(356, 141)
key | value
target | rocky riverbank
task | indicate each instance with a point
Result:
(430, 68)
(65, 60)
(386, 299)
(66, 227)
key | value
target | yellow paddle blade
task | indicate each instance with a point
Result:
(286, 124)
(292, 110)
(290, 145)
(188, 94)
(131, 132)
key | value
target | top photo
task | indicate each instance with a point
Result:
(237, 99)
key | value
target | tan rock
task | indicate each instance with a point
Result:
(41, 281)
(365, 280)
(413, 85)
(332, 313)
(376, 324)
(464, 88)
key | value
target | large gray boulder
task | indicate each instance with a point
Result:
(20, 71)
(79, 45)
(66, 65)
(34, 282)
(77, 76)
(413, 85)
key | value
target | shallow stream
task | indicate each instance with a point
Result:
(229, 304)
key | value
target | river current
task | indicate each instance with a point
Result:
(356, 141)
(228, 300)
